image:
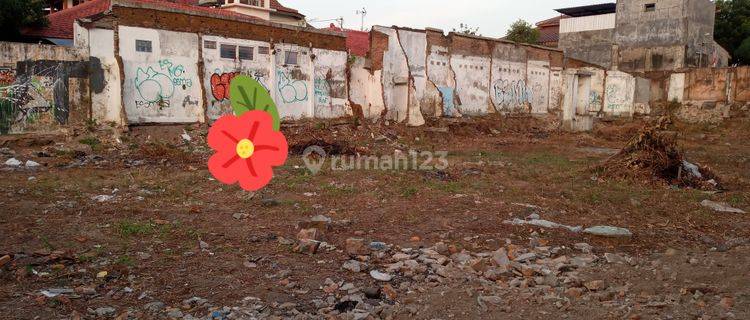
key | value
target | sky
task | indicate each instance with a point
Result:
(493, 17)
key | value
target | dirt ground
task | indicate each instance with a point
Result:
(133, 227)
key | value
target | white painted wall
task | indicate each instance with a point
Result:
(366, 89)
(472, 83)
(161, 86)
(676, 90)
(293, 91)
(395, 77)
(509, 90)
(538, 84)
(219, 72)
(330, 88)
(588, 23)
(556, 88)
(441, 77)
(106, 106)
(619, 94)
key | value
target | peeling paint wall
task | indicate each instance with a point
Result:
(395, 77)
(42, 87)
(163, 85)
(366, 88)
(472, 83)
(331, 92)
(441, 80)
(106, 92)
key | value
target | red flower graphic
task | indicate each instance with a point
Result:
(247, 148)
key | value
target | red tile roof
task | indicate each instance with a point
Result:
(549, 30)
(358, 42)
(61, 23)
(281, 8)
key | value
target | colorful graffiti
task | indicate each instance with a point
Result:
(35, 94)
(220, 85)
(290, 90)
(21, 103)
(219, 82)
(156, 87)
(512, 93)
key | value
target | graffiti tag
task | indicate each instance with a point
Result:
(290, 90)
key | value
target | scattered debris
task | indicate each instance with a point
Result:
(543, 224)
(13, 162)
(720, 207)
(608, 231)
(102, 198)
(380, 276)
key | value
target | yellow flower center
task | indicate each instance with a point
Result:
(245, 148)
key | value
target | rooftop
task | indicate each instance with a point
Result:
(590, 10)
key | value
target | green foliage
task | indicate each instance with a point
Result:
(732, 28)
(246, 94)
(742, 54)
(18, 14)
(522, 32)
(464, 28)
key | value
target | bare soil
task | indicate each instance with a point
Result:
(161, 203)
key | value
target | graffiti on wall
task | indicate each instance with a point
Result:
(615, 98)
(220, 82)
(290, 90)
(220, 85)
(322, 90)
(595, 100)
(155, 88)
(512, 93)
(35, 93)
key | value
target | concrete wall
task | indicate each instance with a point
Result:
(161, 86)
(455, 75)
(591, 46)
(619, 94)
(218, 72)
(42, 87)
(330, 84)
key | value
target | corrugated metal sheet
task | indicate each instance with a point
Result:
(589, 23)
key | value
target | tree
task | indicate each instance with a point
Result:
(742, 54)
(522, 32)
(732, 28)
(18, 14)
(466, 29)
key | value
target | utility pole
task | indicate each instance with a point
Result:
(363, 13)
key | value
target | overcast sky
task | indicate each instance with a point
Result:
(493, 17)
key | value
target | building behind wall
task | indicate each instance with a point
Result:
(643, 35)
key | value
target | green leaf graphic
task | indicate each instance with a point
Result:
(247, 94)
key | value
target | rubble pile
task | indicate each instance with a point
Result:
(653, 155)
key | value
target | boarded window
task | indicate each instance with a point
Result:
(291, 58)
(246, 53)
(209, 44)
(228, 51)
(263, 50)
(649, 7)
(142, 46)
